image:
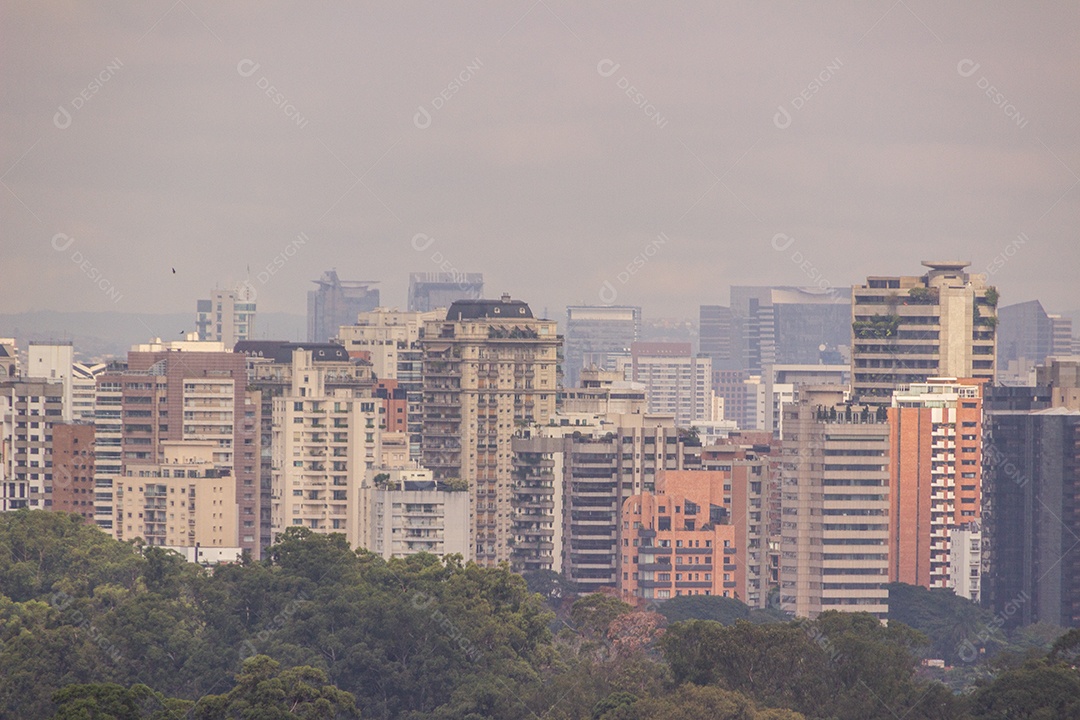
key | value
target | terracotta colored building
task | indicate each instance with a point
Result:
(679, 540)
(73, 470)
(935, 481)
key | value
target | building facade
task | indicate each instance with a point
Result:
(595, 335)
(430, 291)
(834, 506)
(676, 381)
(489, 368)
(935, 482)
(227, 317)
(907, 329)
(337, 302)
(679, 540)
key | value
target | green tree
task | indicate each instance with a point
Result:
(266, 692)
(109, 701)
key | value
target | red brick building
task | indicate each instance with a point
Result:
(679, 540)
(73, 470)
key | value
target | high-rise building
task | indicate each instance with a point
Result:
(84, 390)
(595, 334)
(489, 367)
(171, 392)
(569, 483)
(790, 326)
(73, 470)
(751, 493)
(185, 502)
(434, 290)
(716, 333)
(405, 514)
(907, 329)
(835, 506)
(390, 340)
(324, 442)
(29, 410)
(270, 376)
(54, 362)
(1025, 338)
(337, 302)
(1031, 517)
(935, 482)
(676, 381)
(679, 540)
(227, 317)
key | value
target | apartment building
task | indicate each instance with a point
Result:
(324, 442)
(337, 302)
(935, 481)
(270, 376)
(679, 540)
(227, 317)
(29, 410)
(834, 506)
(676, 381)
(185, 502)
(73, 470)
(408, 514)
(170, 392)
(489, 367)
(907, 329)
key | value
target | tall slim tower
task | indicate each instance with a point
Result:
(227, 317)
(337, 302)
(489, 368)
(907, 329)
(935, 484)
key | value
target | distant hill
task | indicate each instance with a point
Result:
(102, 334)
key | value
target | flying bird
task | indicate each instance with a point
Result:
(174, 271)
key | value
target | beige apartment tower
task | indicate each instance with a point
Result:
(907, 329)
(488, 368)
(834, 536)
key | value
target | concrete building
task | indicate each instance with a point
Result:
(679, 540)
(676, 381)
(84, 390)
(390, 339)
(1026, 336)
(489, 367)
(595, 334)
(185, 502)
(907, 329)
(570, 479)
(337, 302)
(54, 362)
(227, 317)
(717, 337)
(171, 392)
(789, 326)
(751, 493)
(270, 376)
(433, 290)
(1031, 517)
(73, 470)
(408, 514)
(935, 481)
(324, 442)
(835, 506)
(29, 409)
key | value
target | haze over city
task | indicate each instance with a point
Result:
(544, 144)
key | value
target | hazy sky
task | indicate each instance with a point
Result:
(546, 144)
